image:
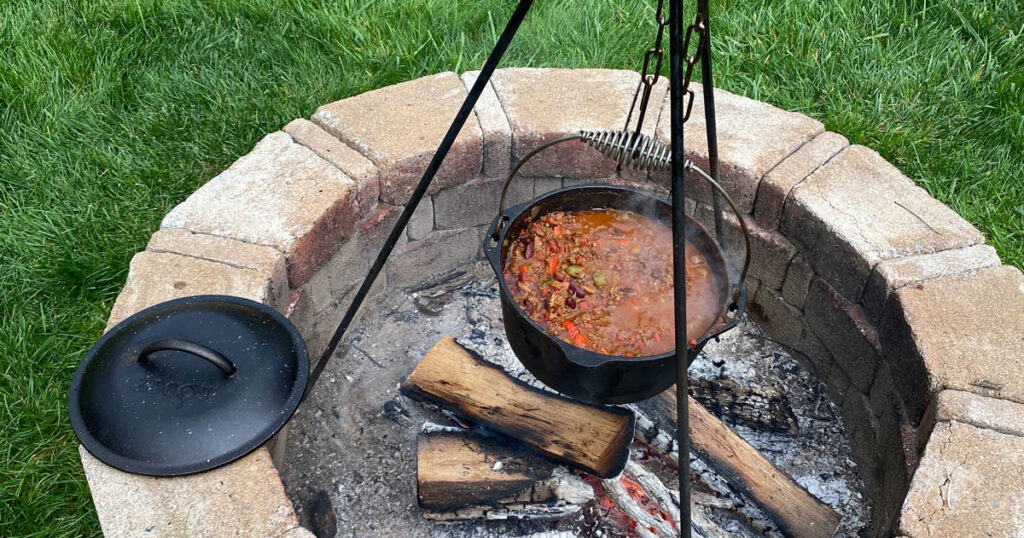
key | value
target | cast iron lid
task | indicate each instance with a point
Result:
(188, 385)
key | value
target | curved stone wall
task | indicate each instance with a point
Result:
(886, 294)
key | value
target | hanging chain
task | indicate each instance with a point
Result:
(649, 77)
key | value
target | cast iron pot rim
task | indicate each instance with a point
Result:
(116, 460)
(578, 355)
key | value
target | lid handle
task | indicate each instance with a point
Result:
(199, 350)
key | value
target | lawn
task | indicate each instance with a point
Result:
(112, 112)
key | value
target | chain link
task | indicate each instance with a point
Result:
(649, 77)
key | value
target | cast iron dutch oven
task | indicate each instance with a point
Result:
(188, 385)
(584, 374)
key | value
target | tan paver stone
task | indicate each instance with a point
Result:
(544, 185)
(438, 254)
(753, 137)
(348, 160)
(858, 210)
(776, 185)
(243, 498)
(969, 483)
(496, 130)
(883, 397)
(282, 195)
(476, 203)
(155, 277)
(399, 128)
(1002, 416)
(422, 221)
(798, 281)
(787, 325)
(770, 252)
(260, 258)
(845, 331)
(544, 104)
(891, 275)
(959, 332)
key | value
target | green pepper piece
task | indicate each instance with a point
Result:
(573, 270)
(599, 279)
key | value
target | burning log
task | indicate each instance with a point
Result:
(468, 476)
(797, 512)
(591, 438)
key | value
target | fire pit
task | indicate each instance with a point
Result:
(852, 284)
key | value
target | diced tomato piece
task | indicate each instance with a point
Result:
(553, 246)
(656, 337)
(552, 265)
(570, 328)
(579, 340)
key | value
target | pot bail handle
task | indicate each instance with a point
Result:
(690, 165)
(199, 350)
(515, 170)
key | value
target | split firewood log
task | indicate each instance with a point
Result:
(470, 476)
(793, 508)
(592, 438)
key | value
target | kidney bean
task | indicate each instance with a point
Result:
(528, 251)
(570, 301)
(577, 290)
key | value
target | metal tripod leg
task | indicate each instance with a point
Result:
(708, 83)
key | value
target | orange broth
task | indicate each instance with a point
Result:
(602, 280)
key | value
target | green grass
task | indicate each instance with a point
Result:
(112, 112)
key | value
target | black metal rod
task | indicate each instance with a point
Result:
(708, 83)
(679, 259)
(435, 163)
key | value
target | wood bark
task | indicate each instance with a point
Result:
(594, 439)
(469, 476)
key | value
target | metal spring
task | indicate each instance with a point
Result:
(632, 150)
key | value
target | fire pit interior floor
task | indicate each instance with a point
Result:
(352, 447)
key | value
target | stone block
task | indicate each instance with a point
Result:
(494, 125)
(891, 275)
(440, 253)
(242, 498)
(544, 185)
(770, 253)
(786, 324)
(348, 160)
(883, 396)
(968, 484)
(753, 285)
(858, 210)
(777, 184)
(753, 137)
(544, 104)
(155, 277)
(846, 333)
(994, 414)
(798, 280)
(422, 221)
(281, 195)
(260, 258)
(399, 128)
(878, 451)
(476, 203)
(959, 332)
